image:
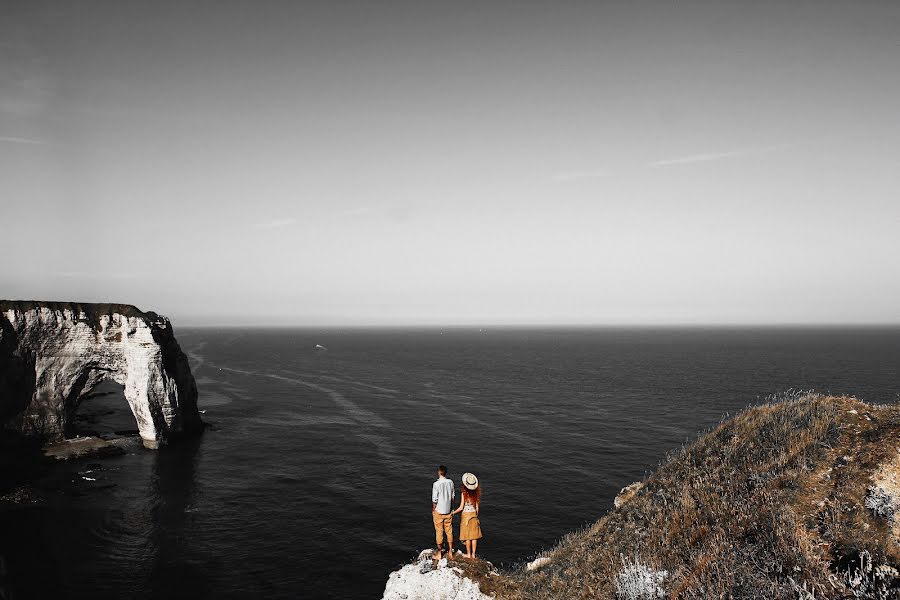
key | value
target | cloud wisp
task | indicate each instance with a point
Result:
(276, 223)
(714, 156)
(9, 139)
(695, 158)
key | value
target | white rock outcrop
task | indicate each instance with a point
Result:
(52, 354)
(540, 561)
(637, 581)
(883, 496)
(425, 580)
(627, 493)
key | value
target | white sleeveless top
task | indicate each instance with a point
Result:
(468, 508)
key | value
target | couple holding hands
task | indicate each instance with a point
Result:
(442, 496)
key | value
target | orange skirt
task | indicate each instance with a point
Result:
(469, 527)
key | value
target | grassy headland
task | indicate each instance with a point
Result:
(793, 499)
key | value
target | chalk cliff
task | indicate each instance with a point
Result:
(424, 580)
(53, 353)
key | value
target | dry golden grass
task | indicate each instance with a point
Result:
(489, 580)
(769, 502)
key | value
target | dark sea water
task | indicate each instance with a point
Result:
(314, 480)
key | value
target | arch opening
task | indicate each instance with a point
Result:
(102, 411)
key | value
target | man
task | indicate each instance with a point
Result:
(442, 495)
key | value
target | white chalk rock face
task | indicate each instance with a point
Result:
(426, 581)
(541, 561)
(52, 354)
(627, 493)
(883, 496)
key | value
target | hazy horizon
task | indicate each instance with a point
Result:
(270, 321)
(487, 327)
(418, 163)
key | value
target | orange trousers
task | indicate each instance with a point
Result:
(443, 524)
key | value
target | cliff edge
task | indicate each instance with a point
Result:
(54, 353)
(793, 500)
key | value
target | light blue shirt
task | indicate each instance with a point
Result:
(442, 494)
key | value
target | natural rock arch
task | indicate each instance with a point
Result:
(52, 354)
(102, 412)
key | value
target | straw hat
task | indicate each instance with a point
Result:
(470, 481)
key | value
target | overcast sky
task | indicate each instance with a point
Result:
(454, 163)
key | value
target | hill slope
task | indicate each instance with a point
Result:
(792, 500)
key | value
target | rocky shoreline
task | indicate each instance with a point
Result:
(53, 356)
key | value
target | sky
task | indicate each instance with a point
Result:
(454, 163)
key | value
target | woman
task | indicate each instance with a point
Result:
(469, 503)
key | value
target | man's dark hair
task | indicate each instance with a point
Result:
(442, 470)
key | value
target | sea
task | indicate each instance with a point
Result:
(313, 478)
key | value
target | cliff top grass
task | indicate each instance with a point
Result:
(793, 499)
(92, 310)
